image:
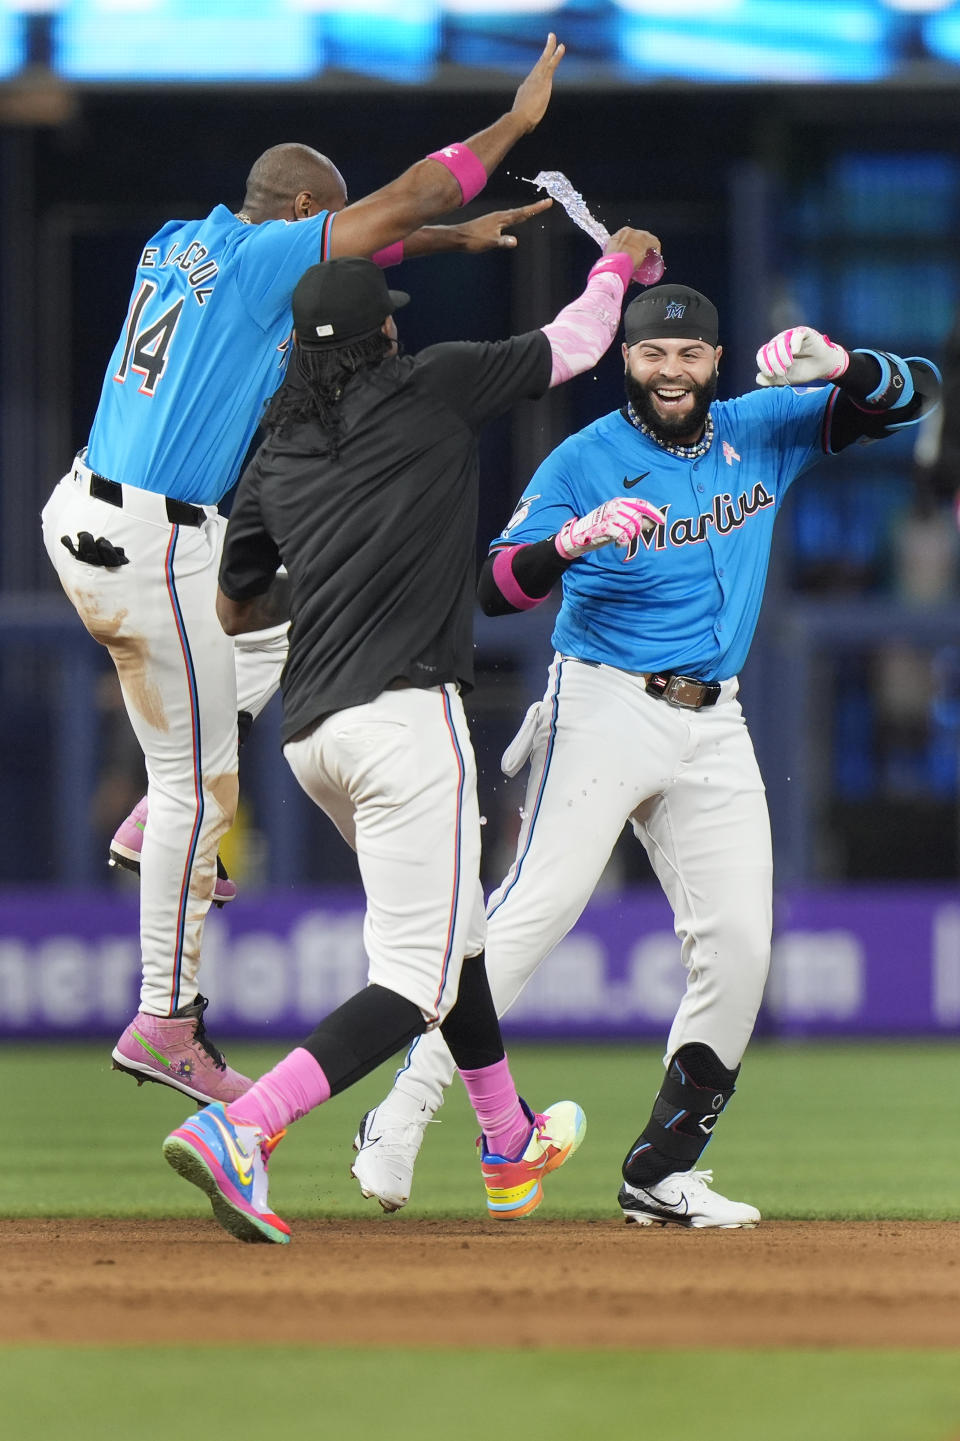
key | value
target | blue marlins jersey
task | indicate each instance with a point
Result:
(204, 347)
(686, 598)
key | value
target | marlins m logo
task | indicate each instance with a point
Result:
(674, 310)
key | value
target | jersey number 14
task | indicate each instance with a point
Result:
(146, 343)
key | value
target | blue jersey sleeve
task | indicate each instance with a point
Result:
(794, 420)
(274, 256)
(546, 504)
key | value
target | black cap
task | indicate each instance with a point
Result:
(671, 312)
(340, 301)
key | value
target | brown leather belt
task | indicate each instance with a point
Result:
(683, 691)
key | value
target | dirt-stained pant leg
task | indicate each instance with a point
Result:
(157, 617)
(398, 779)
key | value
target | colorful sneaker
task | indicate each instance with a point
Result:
(387, 1145)
(176, 1051)
(127, 844)
(515, 1188)
(228, 1161)
(685, 1199)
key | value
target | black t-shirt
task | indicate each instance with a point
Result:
(379, 542)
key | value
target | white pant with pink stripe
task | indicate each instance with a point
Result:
(157, 618)
(398, 778)
(604, 753)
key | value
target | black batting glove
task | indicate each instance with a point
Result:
(100, 552)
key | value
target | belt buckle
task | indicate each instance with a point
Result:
(684, 692)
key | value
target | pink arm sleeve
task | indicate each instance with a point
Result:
(584, 329)
(506, 581)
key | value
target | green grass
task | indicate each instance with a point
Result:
(300, 1394)
(815, 1131)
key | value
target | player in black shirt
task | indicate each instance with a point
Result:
(365, 491)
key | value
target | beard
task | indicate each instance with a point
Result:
(672, 429)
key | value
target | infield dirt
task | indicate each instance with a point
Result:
(402, 1282)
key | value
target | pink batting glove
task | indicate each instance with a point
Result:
(799, 355)
(616, 522)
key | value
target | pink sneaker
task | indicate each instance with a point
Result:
(176, 1051)
(128, 842)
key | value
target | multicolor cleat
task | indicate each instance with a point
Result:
(177, 1052)
(228, 1161)
(127, 844)
(515, 1188)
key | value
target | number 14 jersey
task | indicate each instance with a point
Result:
(203, 347)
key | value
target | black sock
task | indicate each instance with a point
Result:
(366, 1030)
(471, 1029)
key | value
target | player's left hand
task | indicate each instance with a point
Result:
(486, 232)
(799, 355)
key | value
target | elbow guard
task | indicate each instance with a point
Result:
(926, 386)
(895, 388)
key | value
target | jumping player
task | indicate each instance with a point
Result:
(365, 491)
(641, 698)
(134, 534)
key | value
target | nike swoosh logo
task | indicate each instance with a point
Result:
(242, 1164)
(680, 1205)
(629, 484)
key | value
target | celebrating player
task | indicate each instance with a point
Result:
(133, 530)
(641, 698)
(366, 492)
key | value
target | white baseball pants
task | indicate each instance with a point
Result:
(602, 752)
(398, 778)
(157, 618)
(260, 656)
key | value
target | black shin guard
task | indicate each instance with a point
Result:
(355, 1038)
(471, 1030)
(696, 1088)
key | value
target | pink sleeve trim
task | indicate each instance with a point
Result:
(506, 581)
(389, 255)
(465, 168)
(584, 329)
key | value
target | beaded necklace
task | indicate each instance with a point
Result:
(685, 452)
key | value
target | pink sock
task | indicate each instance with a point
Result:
(502, 1118)
(294, 1086)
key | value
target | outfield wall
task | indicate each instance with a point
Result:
(882, 961)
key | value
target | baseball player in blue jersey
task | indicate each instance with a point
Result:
(640, 721)
(134, 533)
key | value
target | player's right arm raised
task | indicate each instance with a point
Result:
(449, 177)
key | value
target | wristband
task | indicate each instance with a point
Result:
(616, 263)
(389, 255)
(465, 168)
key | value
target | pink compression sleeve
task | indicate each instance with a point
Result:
(389, 255)
(465, 168)
(584, 329)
